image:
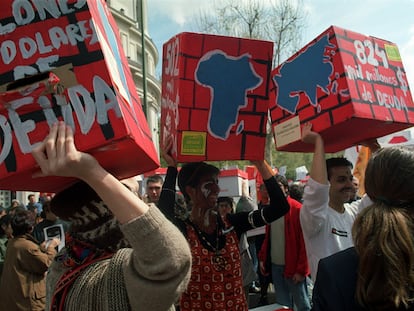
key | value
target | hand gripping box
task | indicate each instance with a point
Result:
(215, 93)
(63, 60)
(351, 87)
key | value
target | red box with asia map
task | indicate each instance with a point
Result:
(350, 86)
(63, 60)
(215, 92)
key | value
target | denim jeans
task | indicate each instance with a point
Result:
(290, 294)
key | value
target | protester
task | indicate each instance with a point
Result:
(283, 256)
(216, 279)
(49, 219)
(33, 205)
(153, 188)
(296, 191)
(326, 217)
(264, 280)
(378, 273)
(95, 270)
(225, 205)
(246, 204)
(22, 285)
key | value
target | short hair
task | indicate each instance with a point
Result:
(156, 178)
(296, 191)
(337, 162)
(191, 173)
(228, 200)
(46, 207)
(30, 195)
(22, 222)
(282, 179)
(5, 220)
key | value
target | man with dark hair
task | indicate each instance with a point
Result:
(50, 219)
(34, 206)
(153, 188)
(326, 217)
(225, 205)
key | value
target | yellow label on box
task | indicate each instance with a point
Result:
(193, 143)
(392, 52)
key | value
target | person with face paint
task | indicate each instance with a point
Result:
(326, 217)
(216, 277)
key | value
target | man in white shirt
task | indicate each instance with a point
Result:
(326, 217)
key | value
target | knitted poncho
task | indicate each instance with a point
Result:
(149, 276)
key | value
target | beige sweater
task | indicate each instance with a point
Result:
(149, 276)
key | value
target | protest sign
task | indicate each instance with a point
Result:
(350, 86)
(63, 60)
(215, 92)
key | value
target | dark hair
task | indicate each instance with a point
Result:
(383, 232)
(155, 179)
(191, 173)
(282, 179)
(337, 162)
(227, 200)
(46, 207)
(296, 191)
(86, 211)
(5, 220)
(22, 222)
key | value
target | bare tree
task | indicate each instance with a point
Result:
(279, 21)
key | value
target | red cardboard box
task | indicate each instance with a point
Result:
(215, 92)
(351, 87)
(77, 43)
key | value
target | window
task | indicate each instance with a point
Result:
(124, 41)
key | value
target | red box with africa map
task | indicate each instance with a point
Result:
(350, 86)
(215, 92)
(63, 60)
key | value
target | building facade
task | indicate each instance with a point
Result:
(142, 54)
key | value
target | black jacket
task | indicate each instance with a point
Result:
(335, 283)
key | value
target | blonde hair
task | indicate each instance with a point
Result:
(384, 232)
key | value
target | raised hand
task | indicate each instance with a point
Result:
(57, 154)
(309, 136)
(167, 154)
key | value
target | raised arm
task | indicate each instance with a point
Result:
(277, 207)
(167, 200)
(160, 260)
(318, 170)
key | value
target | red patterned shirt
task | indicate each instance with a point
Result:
(216, 279)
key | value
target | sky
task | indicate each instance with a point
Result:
(385, 19)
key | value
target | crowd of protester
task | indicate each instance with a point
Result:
(324, 247)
